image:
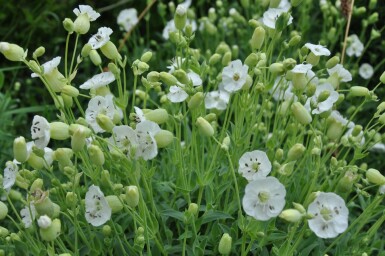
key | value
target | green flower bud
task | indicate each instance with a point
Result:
(15, 195)
(211, 117)
(359, 91)
(277, 68)
(289, 64)
(63, 156)
(214, 59)
(382, 78)
(235, 51)
(296, 152)
(105, 122)
(295, 40)
(251, 60)
(59, 130)
(95, 57)
(70, 91)
(106, 230)
(153, 76)
(181, 75)
(300, 113)
(114, 70)
(375, 177)
(38, 52)
(295, 3)
(180, 17)
(248, 83)
(3, 210)
(3, 232)
(357, 130)
(67, 100)
(274, 3)
(132, 196)
(332, 62)
(313, 59)
(78, 140)
(224, 247)
(71, 199)
(291, 215)
(69, 25)
(167, 78)
(20, 149)
(372, 4)
(359, 11)
(81, 24)
(226, 58)
(258, 38)
(52, 232)
(86, 50)
(110, 51)
(226, 143)
(12, 52)
(96, 155)
(164, 138)
(287, 169)
(373, 18)
(43, 204)
(75, 127)
(223, 48)
(196, 100)
(299, 207)
(204, 127)
(146, 57)
(345, 184)
(36, 185)
(115, 203)
(35, 67)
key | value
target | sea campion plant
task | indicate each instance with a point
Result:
(246, 148)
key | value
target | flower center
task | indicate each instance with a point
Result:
(255, 166)
(236, 76)
(326, 214)
(263, 196)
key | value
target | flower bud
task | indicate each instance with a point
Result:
(164, 138)
(296, 152)
(359, 91)
(300, 113)
(105, 122)
(295, 40)
(193, 209)
(75, 127)
(214, 59)
(289, 64)
(95, 57)
(52, 232)
(382, 78)
(36, 185)
(15, 195)
(167, 78)
(71, 199)
(70, 91)
(12, 52)
(258, 38)
(59, 130)
(277, 68)
(78, 139)
(373, 18)
(44, 222)
(3, 210)
(181, 75)
(224, 247)
(226, 143)
(68, 25)
(38, 52)
(291, 215)
(96, 155)
(375, 177)
(67, 100)
(153, 76)
(81, 24)
(87, 48)
(180, 17)
(196, 100)
(226, 58)
(114, 70)
(63, 156)
(3, 232)
(110, 51)
(251, 60)
(299, 207)
(204, 127)
(146, 57)
(295, 3)
(211, 117)
(287, 169)
(20, 149)
(115, 203)
(43, 204)
(132, 196)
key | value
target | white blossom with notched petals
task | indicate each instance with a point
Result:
(98, 211)
(271, 16)
(40, 131)
(145, 134)
(177, 94)
(320, 107)
(86, 9)
(366, 71)
(330, 215)
(318, 50)
(101, 38)
(49, 66)
(124, 138)
(217, 99)
(170, 27)
(343, 74)
(234, 76)
(254, 165)
(127, 19)
(355, 46)
(98, 80)
(264, 198)
(195, 79)
(99, 105)
(28, 215)
(9, 177)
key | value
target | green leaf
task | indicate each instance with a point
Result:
(210, 216)
(173, 214)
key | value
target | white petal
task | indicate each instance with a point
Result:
(177, 94)
(98, 211)
(98, 80)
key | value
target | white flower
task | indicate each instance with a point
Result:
(145, 133)
(355, 46)
(366, 71)
(330, 215)
(284, 5)
(177, 94)
(217, 99)
(44, 221)
(318, 50)
(139, 115)
(302, 68)
(98, 211)
(254, 165)
(100, 38)
(271, 15)
(10, 173)
(195, 78)
(322, 105)
(170, 27)
(378, 147)
(186, 4)
(86, 9)
(282, 90)
(49, 66)
(234, 76)
(176, 63)
(264, 198)
(342, 120)
(48, 157)
(128, 18)
(124, 137)
(28, 215)
(343, 74)
(40, 131)
(99, 105)
(381, 189)
(98, 80)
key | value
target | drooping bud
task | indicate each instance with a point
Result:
(204, 127)
(359, 91)
(277, 68)
(225, 244)
(167, 78)
(158, 115)
(38, 52)
(20, 151)
(12, 52)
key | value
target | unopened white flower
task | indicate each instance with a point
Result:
(186, 4)
(325, 104)
(343, 74)
(99, 105)
(355, 46)
(86, 9)
(317, 49)
(40, 131)
(330, 215)
(366, 71)
(145, 133)
(177, 94)
(271, 16)
(98, 80)
(254, 165)
(100, 38)
(9, 177)
(28, 215)
(49, 66)
(127, 19)
(124, 138)
(170, 27)
(264, 198)
(44, 221)
(98, 211)
(217, 99)
(234, 76)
